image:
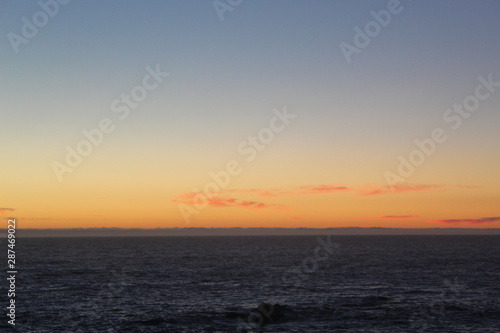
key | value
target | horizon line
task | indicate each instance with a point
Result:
(240, 231)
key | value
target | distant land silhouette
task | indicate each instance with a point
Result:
(124, 232)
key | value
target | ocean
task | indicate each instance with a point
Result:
(216, 284)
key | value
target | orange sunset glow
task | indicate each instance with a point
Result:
(206, 131)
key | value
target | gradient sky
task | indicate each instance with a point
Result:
(325, 169)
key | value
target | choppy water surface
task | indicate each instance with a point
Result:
(191, 284)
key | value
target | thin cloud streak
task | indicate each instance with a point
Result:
(399, 189)
(469, 221)
(325, 189)
(189, 198)
(398, 217)
(5, 210)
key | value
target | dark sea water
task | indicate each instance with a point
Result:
(202, 284)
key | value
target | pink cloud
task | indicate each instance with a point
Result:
(320, 189)
(324, 189)
(189, 198)
(5, 210)
(218, 202)
(468, 221)
(398, 189)
(253, 204)
(307, 189)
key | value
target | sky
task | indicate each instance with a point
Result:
(230, 113)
